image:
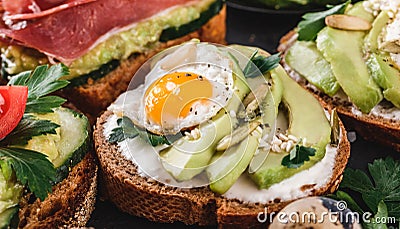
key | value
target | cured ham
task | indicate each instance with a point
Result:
(44, 9)
(30, 6)
(68, 34)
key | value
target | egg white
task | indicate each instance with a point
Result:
(199, 58)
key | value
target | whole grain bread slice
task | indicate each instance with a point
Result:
(146, 197)
(69, 205)
(94, 96)
(371, 127)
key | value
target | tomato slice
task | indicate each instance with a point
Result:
(12, 107)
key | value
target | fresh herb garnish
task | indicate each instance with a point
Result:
(31, 168)
(385, 186)
(126, 129)
(27, 128)
(297, 156)
(41, 82)
(312, 23)
(259, 63)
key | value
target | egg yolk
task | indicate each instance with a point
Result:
(172, 96)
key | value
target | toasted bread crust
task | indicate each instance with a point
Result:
(69, 205)
(369, 126)
(145, 197)
(95, 96)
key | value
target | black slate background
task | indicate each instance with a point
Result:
(255, 29)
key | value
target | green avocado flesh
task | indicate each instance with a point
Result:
(307, 120)
(10, 193)
(344, 51)
(351, 58)
(143, 37)
(305, 59)
(226, 167)
(380, 64)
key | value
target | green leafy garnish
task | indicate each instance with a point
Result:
(298, 156)
(126, 129)
(41, 82)
(29, 127)
(261, 64)
(312, 23)
(31, 168)
(376, 222)
(385, 186)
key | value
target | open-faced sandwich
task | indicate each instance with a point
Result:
(48, 175)
(212, 135)
(349, 56)
(103, 42)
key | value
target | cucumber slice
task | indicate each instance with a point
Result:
(71, 143)
(74, 142)
(176, 32)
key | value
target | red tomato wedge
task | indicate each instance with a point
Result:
(12, 107)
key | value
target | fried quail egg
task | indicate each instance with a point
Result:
(187, 86)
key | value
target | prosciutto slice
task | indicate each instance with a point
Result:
(68, 34)
(45, 8)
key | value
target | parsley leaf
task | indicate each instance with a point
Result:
(298, 156)
(154, 139)
(126, 129)
(43, 104)
(31, 168)
(27, 128)
(261, 64)
(41, 82)
(312, 23)
(385, 186)
(376, 221)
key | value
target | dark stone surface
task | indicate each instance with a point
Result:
(254, 29)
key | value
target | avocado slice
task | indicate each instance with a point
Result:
(380, 64)
(386, 76)
(270, 104)
(304, 54)
(307, 120)
(187, 158)
(273, 99)
(226, 166)
(371, 40)
(344, 51)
